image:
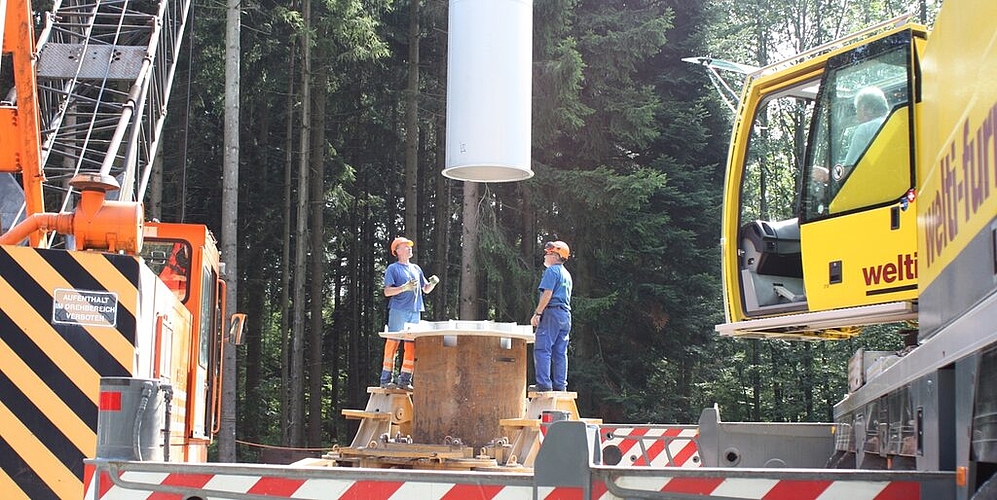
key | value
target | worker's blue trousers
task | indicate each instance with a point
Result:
(550, 350)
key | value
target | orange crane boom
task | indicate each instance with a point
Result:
(20, 124)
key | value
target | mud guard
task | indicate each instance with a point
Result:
(570, 449)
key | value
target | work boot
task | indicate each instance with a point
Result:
(389, 385)
(534, 388)
(405, 381)
(385, 378)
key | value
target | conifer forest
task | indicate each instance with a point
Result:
(341, 147)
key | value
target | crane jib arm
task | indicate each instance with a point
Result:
(20, 136)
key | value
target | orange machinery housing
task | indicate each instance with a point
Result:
(96, 307)
(70, 317)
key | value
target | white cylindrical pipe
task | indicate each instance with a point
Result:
(489, 78)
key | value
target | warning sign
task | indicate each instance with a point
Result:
(86, 308)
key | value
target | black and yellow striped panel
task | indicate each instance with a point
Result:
(66, 319)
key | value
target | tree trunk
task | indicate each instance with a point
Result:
(370, 285)
(317, 274)
(230, 217)
(443, 185)
(254, 405)
(301, 242)
(808, 381)
(285, 263)
(469, 246)
(253, 402)
(756, 381)
(334, 364)
(154, 208)
(412, 127)
(356, 369)
(775, 375)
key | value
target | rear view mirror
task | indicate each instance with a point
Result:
(236, 325)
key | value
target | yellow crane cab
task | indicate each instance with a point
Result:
(819, 224)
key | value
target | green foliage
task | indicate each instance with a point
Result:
(353, 27)
(801, 381)
(509, 277)
(628, 151)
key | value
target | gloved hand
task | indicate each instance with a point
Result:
(433, 280)
(410, 285)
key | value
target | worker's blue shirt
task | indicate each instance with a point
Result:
(557, 279)
(397, 274)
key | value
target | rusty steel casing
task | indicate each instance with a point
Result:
(466, 383)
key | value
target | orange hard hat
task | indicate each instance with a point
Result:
(558, 247)
(401, 240)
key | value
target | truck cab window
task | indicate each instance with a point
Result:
(170, 260)
(859, 155)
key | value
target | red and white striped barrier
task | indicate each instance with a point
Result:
(607, 483)
(144, 486)
(765, 489)
(163, 486)
(654, 446)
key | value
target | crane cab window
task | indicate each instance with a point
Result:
(859, 152)
(771, 269)
(170, 260)
(210, 321)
